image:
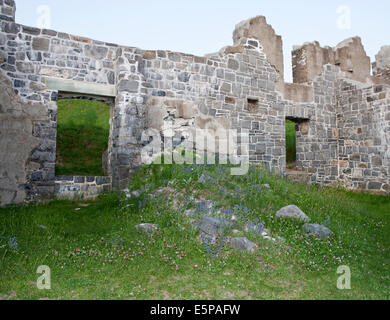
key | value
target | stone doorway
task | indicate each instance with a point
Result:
(297, 130)
(84, 146)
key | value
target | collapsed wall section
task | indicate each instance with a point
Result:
(381, 67)
(21, 144)
(349, 55)
(271, 43)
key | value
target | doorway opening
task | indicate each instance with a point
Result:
(291, 144)
(83, 132)
(297, 131)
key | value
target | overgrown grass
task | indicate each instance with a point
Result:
(96, 253)
(82, 137)
(291, 142)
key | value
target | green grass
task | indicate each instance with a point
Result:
(82, 137)
(291, 142)
(95, 252)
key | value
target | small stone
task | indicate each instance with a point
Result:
(190, 212)
(265, 237)
(147, 228)
(203, 179)
(132, 194)
(318, 230)
(204, 204)
(149, 54)
(3, 57)
(292, 212)
(136, 194)
(233, 64)
(37, 86)
(184, 77)
(243, 244)
(3, 39)
(25, 67)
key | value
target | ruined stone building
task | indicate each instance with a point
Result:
(341, 109)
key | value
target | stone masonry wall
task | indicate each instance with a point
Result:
(27, 56)
(128, 117)
(317, 136)
(364, 136)
(218, 87)
(7, 11)
(81, 188)
(343, 127)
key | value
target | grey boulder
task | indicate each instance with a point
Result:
(318, 230)
(213, 226)
(292, 212)
(243, 244)
(133, 194)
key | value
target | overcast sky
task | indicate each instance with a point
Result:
(205, 26)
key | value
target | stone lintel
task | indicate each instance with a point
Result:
(81, 87)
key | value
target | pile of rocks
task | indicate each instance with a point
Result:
(294, 213)
(212, 228)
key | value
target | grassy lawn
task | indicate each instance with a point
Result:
(94, 251)
(82, 138)
(291, 142)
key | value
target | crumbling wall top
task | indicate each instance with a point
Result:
(381, 67)
(383, 58)
(258, 28)
(349, 55)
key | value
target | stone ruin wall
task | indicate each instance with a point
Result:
(364, 136)
(381, 67)
(343, 124)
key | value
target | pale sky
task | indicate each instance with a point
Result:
(205, 26)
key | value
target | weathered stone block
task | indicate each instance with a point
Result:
(128, 86)
(25, 67)
(96, 52)
(41, 44)
(372, 185)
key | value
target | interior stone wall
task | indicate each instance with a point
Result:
(364, 136)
